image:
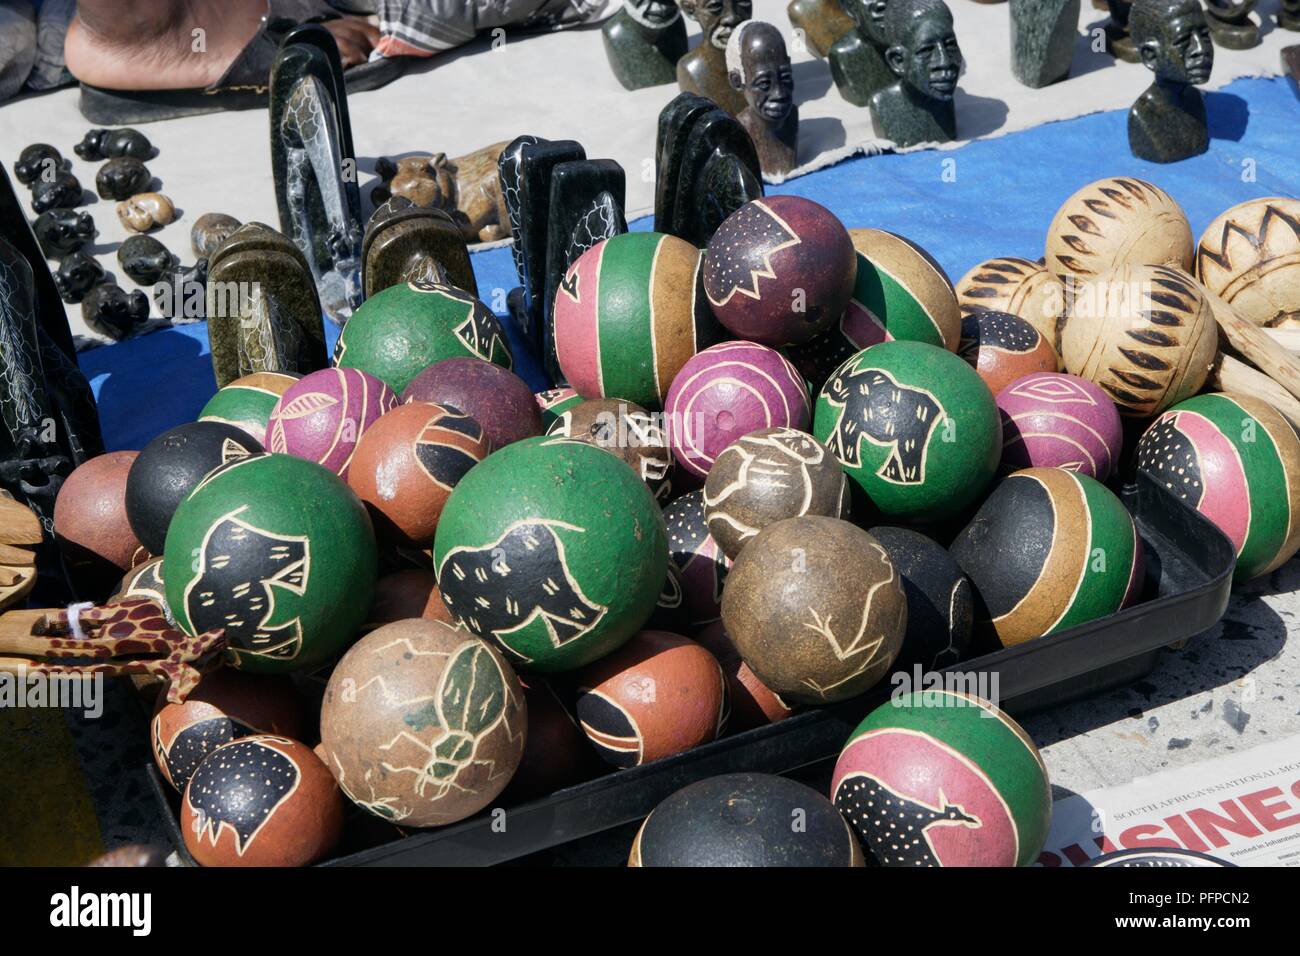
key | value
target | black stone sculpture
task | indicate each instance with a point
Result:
(15, 230)
(181, 295)
(643, 42)
(36, 160)
(404, 242)
(113, 312)
(48, 420)
(1042, 40)
(76, 275)
(122, 178)
(1231, 24)
(857, 59)
(262, 308)
(61, 231)
(586, 207)
(61, 190)
(1118, 41)
(537, 162)
(314, 165)
(144, 259)
(924, 56)
(100, 144)
(706, 168)
(1168, 122)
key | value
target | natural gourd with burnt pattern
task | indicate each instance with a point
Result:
(1145, 334)
(1017, 286)
(1116, 221)
(1250, 257)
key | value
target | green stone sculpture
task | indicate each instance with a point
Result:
(1118, 41)
(1231, 24)
(924, 56)
(644, 41)
(1042, 40)
(1167, 123)
(262, 308)
(857, 59)
(823, 23)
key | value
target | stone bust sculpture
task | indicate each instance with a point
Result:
(924, 57)
(644, 41)
(822, 22)
(759, 67)
(857, 59)
(1231, 25)
(1167, 123)
(704, 69)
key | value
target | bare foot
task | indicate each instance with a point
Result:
(179, 44)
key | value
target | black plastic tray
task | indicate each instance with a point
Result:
(1189, 565)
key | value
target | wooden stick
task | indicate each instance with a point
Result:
(1257, 347)
(1289, 339)
(1231, 375)
(19, 627)
(18, 524)
(11, 555)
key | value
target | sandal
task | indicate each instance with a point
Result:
(243, 86)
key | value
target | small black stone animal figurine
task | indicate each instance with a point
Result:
(924, 55)
(76, 274)
(181, 294)
(40, 387)
(62, 191)
(1042, 40)
(144, 259)
(644, 41)
(586, 207)
(263, 311)
(857, 59)
(1230, 23)
(113, 312)
(537, 163)
(210, 230)
(38, 159)
(1167, 123)
(1288, 15)
(100, 144)
(61, 231)
(704, 69)
(823, 22)
(122, 178)
(759, 67)
(1118, 41)
(314, 165)
(706, 169)
(404, 242)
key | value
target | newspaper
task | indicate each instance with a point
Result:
(1243, 808)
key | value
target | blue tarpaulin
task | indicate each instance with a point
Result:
(989, 198)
